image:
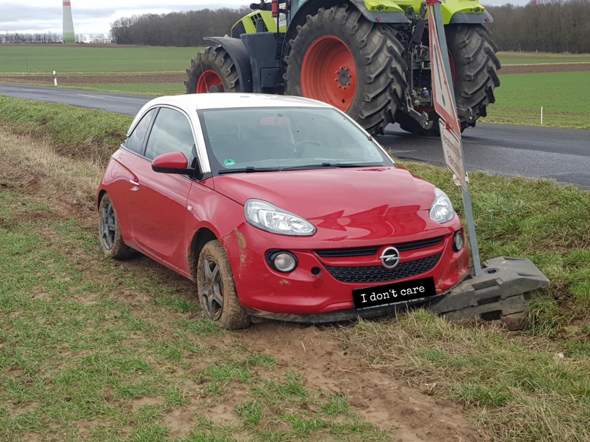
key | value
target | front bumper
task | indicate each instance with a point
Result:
(307, 293)
(499, 293)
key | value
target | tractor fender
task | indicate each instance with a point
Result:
(394, 15)
(471, 19)
(239, 55)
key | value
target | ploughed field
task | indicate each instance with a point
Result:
(92, 349)
(558, 82)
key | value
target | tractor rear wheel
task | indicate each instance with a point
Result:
(343, 59)
(212, 71)
(474, 67)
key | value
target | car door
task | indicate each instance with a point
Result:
(123, 174)
(160, 214)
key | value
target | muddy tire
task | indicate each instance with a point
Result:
(341, 58)
(212, 70)
(216, 289)
(109, 231)
(474, 65)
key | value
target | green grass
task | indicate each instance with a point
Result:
(46, 58)
(563, 95)
(127, 368)
(511, 58)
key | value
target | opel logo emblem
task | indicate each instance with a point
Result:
(389, 257)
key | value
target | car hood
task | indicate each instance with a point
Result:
(360, 202)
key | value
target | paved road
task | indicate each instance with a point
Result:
(560, 154)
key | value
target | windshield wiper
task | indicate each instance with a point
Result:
(326, 164)
(249, 169)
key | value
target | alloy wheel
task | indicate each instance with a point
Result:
(212, 289)
(108, 225)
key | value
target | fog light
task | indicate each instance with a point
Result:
(283, 261)
(458, 241)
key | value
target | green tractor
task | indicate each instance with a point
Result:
(368, 58)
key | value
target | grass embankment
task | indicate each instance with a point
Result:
(92, 348)
(564, 97)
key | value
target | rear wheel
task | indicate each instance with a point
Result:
(343, 59)
(474, 65)
(212, 71)
(109, 231)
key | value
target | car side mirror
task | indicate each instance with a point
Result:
(172, 162)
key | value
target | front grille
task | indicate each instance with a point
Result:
(371, 251)
(380, 273)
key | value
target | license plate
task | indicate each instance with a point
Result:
(393, 293)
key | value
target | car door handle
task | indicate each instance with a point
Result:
(134, 184)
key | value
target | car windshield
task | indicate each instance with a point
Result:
(286, 138)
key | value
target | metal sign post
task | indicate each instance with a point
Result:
(446, 108)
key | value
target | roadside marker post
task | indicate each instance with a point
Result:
(55, 78)
(446, 108)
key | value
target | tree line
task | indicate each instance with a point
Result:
(176, 28)
(549, 26)
(556, 26)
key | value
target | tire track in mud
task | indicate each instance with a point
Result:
(406, 413)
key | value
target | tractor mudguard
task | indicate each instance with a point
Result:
(239, 54)
(394, 11)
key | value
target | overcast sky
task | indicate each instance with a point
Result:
(97, 16)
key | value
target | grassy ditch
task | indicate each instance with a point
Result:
(95, 349)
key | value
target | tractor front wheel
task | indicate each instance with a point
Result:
(341, 58)
(212, 70)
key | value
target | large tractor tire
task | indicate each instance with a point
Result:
(474, 66)
(212, 71)
(341, 58)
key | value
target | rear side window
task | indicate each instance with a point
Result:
(171, 133)
(136, 141)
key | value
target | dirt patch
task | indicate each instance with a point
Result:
(543, 68)
(145, 402)
(180, 422)
(388, 403)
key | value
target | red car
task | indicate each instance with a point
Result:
(279, 207)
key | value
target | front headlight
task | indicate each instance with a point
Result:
(442, 209)
(267, 217)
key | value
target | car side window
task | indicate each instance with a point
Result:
(171, 132)
(136, 140)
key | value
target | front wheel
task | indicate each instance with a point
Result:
(216, 289)
(213, 70)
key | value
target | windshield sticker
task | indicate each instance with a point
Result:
(229, 163)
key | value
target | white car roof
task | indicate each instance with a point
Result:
(191, 102)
